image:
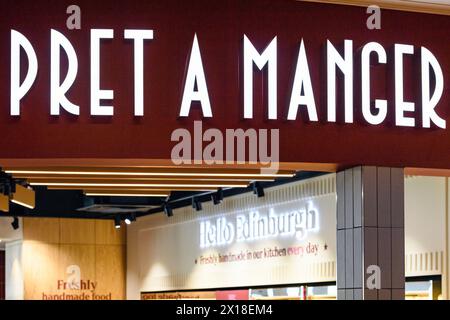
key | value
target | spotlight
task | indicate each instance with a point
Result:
(217, 197)
(168, 210)
(117, 222)
(15, 223)
(196, 204)
(130, 218)
(258, 189)
(23, 196)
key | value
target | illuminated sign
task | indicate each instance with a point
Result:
(196, 88)
(256, 226)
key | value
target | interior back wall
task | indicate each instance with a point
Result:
(58, 253)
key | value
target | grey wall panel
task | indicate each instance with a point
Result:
(349, 198)
(398, 260)
(358, 294)
(370, 294)
(357, 258)
(341, 294)
(397, 198)
(384, 197)
(384, 294)
(340, 264)
(370, 201)
(370, 251)
(340, 190)
(369, 186)
(349, 294)
(357, 197)
(349, 258)
(398, 294)
(385, 257)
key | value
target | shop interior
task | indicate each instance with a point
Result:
(123, 194)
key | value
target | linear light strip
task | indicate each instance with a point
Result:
(273, 175)
(124, 194)
(22, 204)
(130, 189)
(30, 179)
(135, 185)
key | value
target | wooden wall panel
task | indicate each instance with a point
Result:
(77, 231)
(80, 255)
(105, 233)
(41, 229)
(110, 270)
(40, 264)
(50, 246)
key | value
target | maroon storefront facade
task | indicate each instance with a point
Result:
(220, 29)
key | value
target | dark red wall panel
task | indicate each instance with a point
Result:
(220, 26)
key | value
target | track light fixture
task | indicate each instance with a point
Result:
(117, 221)
(15, 223)
(217, 197)
(258, 189)
(196, 204)
(7, 184)
(130, 218)
(168, 209)
(23, 196)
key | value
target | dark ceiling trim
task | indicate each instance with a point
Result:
(65, 203)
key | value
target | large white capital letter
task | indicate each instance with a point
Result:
(96, 94)
(18, 90)
(429, 103)
(138, 36)
(195, 74)
(302, 79)
(381, 105)
(269, 56)
(334, 59)
(400, 105)
(57, 90)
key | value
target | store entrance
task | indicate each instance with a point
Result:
(417, 288)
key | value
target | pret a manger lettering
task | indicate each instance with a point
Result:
(302, 94)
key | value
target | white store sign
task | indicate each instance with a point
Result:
(287, 237)
(258, 226)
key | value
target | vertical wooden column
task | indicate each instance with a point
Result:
(370, 232)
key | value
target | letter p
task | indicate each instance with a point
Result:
(18, 91)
